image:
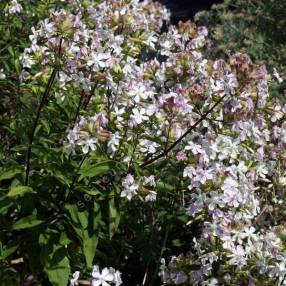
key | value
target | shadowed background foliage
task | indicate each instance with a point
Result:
(183, 10)
(255, 27)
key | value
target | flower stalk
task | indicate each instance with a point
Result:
(35, 123)
(193, 127)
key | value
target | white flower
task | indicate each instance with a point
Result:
(116, 276)
(118, 112)
(163, 273)
(130, 189)
(231, 194)
(129, 180)
(101, 278)
(98, 59)
(151, 197)
(189, 171)
(73, 134)
(2, 74)
(262, 170)
(148, 146)
(194, 148)
(279, 270)
(238, 256)
(242, 167)
(14, 7)
(70, 147)
(139, 92)
(129, 192)
(152, 39)
(277, 76)
(150, 181)
(113, 142)
(26, 59)
(201, 176)
(88, 144)
(74, 280)
(139, 115)
(211, 282)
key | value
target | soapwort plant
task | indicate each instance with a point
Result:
(177, 158)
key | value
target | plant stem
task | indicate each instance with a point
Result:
(86, 103)
(78, 107)
(151, 246)
(161, 253)
(166, 152)
(35, 123)
(75, 179)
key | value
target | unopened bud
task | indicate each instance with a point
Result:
(103, 135)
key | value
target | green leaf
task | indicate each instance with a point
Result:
(89, 245)
(27, 222)
(59, 175)
(114, 217)
(8, 249)
(164, 186)
(72, 210)
(17, 66)
(96, 170)
(19, 191)
(54, 258)
(9, 174)
(85, 224)
(59, 273)
(46, 125)
(11, 51)
(5, 204)
(177, 243)
(83, 218)
(79, 218)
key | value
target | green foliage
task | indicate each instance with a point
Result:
(54, 258)
(256, 27)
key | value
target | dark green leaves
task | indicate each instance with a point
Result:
(114, 216)
(85, 224)
(54, 258)
(97, 170)
(27, 222)
(8, 249)
(20, 191)
(10, 173)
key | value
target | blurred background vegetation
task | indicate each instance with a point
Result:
(255, 27)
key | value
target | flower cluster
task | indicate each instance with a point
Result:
(88, 132)
(232, 168)
(145, 186)
(106, 277)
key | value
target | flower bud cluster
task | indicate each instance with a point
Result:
(88, 133)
